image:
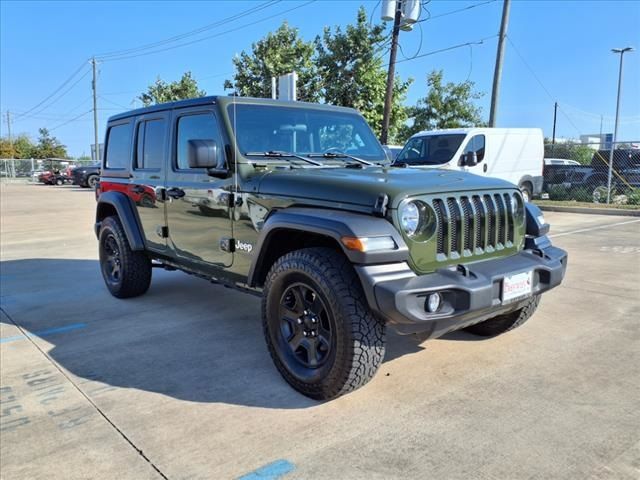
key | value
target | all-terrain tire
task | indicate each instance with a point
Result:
(126, 273)
(357, 347)
(504, 323)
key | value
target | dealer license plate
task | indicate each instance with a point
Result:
(516, 287)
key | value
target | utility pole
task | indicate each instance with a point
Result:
(95, 109)
(388, 99)
(497, 73)
(555, 117)
(621, 51)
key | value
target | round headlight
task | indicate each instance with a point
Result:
(410, 218)
(517, 205)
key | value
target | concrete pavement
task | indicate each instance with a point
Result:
(178, 383)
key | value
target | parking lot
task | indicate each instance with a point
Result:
(178, 383)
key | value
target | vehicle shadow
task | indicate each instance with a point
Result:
(185, 338)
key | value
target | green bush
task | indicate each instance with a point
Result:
(633, 197)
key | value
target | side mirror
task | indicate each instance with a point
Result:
(205, 154)
(469, 159)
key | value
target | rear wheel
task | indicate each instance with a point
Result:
(504, 323)
(59, 181)
(92, 181)
(126, 273)
(322, 337)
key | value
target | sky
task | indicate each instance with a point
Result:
(556, 51)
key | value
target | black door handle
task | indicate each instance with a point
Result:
(175, 192)
(138, 189)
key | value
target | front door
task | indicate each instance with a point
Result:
(151, 149)
(199, 215)
(477, 144)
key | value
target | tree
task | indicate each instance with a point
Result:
(447, 105)
(570, 150)
(48, 146)
(19, 147)
(279, 53)
(162, 92)
(353, 74)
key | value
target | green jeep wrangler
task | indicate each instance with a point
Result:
(298, 203)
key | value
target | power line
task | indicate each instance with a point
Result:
(71, 120)
(113, 103)
(433, 17)
(76, 72)
(117, 53)
(453, 47)
(526, 64)
(24, 116)
(209, 36)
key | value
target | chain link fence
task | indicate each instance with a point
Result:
(584, 172)
(31, 170)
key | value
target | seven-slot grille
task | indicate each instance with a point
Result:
(473, 224)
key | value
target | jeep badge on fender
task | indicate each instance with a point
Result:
(339, 242)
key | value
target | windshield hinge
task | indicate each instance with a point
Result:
(380, 207)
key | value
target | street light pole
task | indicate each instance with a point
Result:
(621, 51)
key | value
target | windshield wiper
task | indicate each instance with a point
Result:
(341, 155)
(279, 154)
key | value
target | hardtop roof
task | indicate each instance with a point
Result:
(225, 100)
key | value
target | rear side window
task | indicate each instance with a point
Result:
(118, 152)
(151, 144)
(201, 126)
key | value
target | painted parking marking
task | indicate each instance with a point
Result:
(44, 333)
(593, 228)
(271, 471)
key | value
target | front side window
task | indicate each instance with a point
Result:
(201, 126)
(430, 149)
(151, 144)
(476, 144)
(264, 128)
(118, 152)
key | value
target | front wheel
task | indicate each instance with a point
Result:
(504, 323)
(126, 273)
(321, 335)
(527, 193)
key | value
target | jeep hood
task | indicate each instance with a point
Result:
(363, 186)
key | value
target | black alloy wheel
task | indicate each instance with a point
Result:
(305, 326)
(111, 262)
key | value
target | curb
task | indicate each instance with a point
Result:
(591, 211)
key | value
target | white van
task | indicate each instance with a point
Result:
(512, 154)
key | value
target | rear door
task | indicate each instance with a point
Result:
(150, 156)
(198, 205)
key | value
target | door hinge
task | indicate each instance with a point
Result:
(162, 232)
(228, 244)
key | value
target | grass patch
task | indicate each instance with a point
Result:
(573, 203)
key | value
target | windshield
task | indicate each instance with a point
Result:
(304, 131)
(430, 149)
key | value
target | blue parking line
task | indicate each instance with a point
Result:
(44, 333)
(271, 471)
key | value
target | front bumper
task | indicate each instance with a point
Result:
(471, 293)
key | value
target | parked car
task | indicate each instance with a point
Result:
(392, 151)
(595, 177)
(86, 176)
(511, 154)
(556, 170)
(305, 211)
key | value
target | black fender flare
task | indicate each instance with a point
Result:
(126, 213)
(333, 224)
